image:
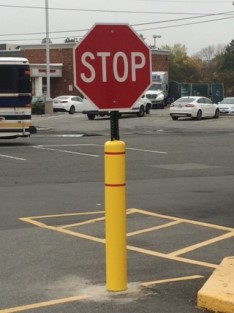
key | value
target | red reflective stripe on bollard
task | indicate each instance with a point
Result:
(114, 153)
(115, 185)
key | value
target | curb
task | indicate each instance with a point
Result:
(217, 294)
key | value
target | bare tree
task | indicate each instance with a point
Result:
(220, 49)
(206, 54)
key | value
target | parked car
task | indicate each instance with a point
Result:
(38, 105)
(70, 104)
(226, 106)
(141, 107)
(194, 107)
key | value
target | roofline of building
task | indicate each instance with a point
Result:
(159, 51)
(64, 45)
(44, 64)
(70, 45)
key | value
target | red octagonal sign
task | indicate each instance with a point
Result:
(112, 66)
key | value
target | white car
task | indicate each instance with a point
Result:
(226, 106)
(70, 104)
(194, 107)
(140, 107)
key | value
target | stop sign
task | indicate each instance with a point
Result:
(112, 66)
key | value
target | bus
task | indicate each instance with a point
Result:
(15, 98)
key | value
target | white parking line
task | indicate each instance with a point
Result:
(142, 150)
(70, 135)
(68, 145)
(47, 147)
(61, 135)
(66, 151)
(11, 157)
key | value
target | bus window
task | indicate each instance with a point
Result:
(7, 79)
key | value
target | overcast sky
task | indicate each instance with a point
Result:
(23, 24)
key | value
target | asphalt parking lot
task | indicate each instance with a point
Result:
(179, 214)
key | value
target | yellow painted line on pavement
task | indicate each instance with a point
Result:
(44, 304)
(64, 215)
(184, 220)
(169, 257)
(36, 223)
(33, 219)
(61, 230)
(94, 220)
(173, 221)
(202, 244)
(169, 280)
(80, 235)
(153, 228)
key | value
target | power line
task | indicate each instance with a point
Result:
(103, 11)
(139, 30)
(139, 24)
(186, 1)
(42, 33)
(134, 25)
(178, 25)
(185, 18)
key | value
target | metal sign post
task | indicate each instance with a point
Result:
(114, 125)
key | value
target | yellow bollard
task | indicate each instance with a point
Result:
(115, 215)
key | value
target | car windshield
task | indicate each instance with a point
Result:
(187, 99)
(34, 99)
(155, 87)
(227, 101)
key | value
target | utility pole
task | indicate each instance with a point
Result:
(48, 103)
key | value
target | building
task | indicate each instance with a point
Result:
(61, 65)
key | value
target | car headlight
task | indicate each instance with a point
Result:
(160, 97)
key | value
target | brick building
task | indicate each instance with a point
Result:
(61, 66)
